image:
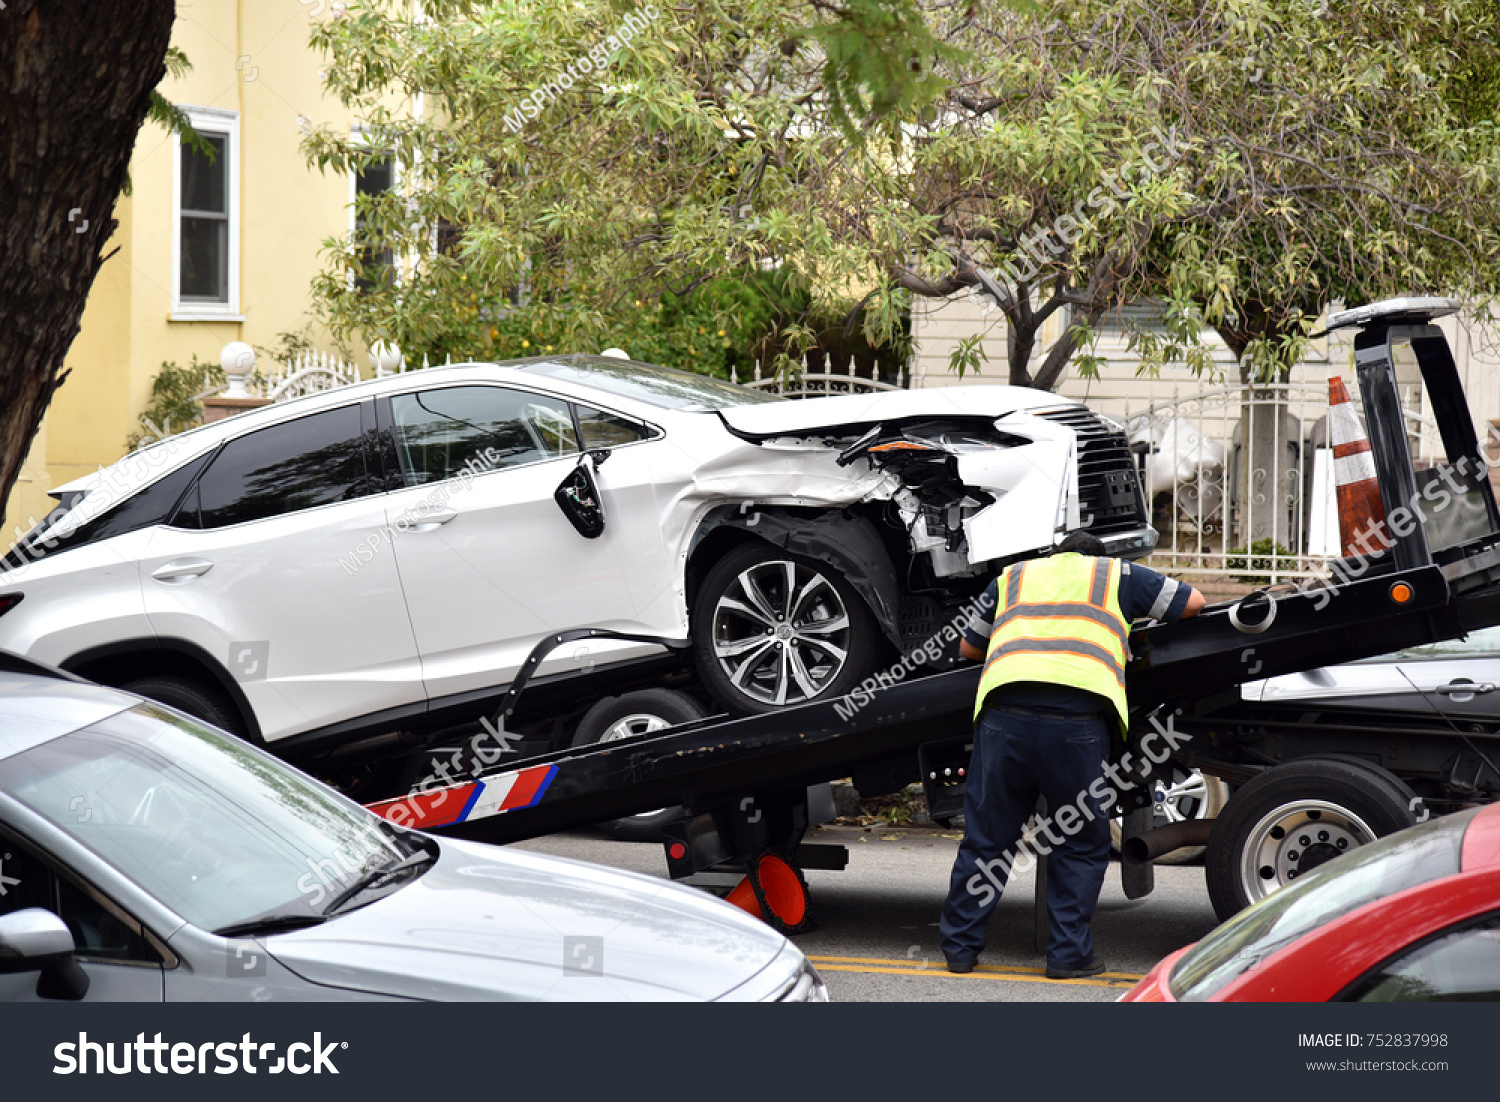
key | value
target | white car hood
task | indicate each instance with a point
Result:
(809, 414)
(500, 924)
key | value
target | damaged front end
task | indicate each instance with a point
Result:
(969, 493)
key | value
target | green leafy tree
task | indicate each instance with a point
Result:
(176, 401)
(1245, 163)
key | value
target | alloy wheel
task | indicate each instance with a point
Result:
(781, 632)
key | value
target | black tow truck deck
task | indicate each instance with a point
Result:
(744, 782)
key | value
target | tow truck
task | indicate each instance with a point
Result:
(749, 785)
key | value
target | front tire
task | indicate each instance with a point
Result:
(1289, 820)
(621, 717)
(772, 629)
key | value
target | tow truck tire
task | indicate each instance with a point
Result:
(753, 649)
(1291, 819)
(193, 697)
(637, 713)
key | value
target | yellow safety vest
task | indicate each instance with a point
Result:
(1059, 623)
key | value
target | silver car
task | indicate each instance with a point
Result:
(1436, 683)
(145, 856)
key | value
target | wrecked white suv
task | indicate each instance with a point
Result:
(381, 559)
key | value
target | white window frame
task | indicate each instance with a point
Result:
(217, 121)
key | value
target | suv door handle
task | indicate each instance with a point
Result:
(181, 570)
(1465, 688)
(432, 521)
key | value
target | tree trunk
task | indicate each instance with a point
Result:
(75, 82)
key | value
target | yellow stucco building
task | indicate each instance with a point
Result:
(208, 252)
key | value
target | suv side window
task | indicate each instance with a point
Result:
(314, 460)
(601, 429)
(100, 932)
(1460, 966)
(440, 432)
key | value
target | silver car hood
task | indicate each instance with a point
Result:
(500, 924)
(809, 414)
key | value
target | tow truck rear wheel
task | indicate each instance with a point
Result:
(626, 716)
(1289, 820)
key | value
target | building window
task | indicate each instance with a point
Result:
(1134, 315)
(205, 247)
(377, 177)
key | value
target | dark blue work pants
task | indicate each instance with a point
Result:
(1016, 758)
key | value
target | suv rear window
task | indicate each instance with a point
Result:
(301, 464)
(146, 507)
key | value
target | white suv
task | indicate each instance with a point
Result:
(380, 559)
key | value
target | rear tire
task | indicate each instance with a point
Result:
(771, 629)
(1334, 804)
(196, 698)
(627, 716)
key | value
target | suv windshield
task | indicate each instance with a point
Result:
(216, 830)
(665, 387)
(1382, 868)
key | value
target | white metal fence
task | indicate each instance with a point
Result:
(1239, 479)
(814, 384)
(314, 372)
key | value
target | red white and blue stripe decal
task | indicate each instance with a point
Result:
(474, 800)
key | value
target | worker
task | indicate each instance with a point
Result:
(1054, 649)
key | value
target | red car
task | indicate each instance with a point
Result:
(1413, 917)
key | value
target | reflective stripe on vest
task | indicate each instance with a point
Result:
(1060, 623)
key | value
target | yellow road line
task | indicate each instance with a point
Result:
(918, 966)
(943, 973)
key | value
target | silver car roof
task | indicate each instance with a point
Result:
(36, 708)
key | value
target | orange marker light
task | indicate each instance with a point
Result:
(903, 446)
(1401, 593)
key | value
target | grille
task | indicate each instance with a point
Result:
(1109, 487)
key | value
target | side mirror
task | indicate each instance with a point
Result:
(578, 496)
(35, 940)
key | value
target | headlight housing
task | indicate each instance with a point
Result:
(806, 986)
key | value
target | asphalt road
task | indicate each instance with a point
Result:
(877, 920)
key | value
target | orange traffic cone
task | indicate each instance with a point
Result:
(1358, 490)
(775, 893)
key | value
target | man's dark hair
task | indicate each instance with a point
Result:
(1083, 543)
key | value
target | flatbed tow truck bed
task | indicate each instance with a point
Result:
(744, 781)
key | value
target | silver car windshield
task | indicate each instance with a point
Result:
(214, 829)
